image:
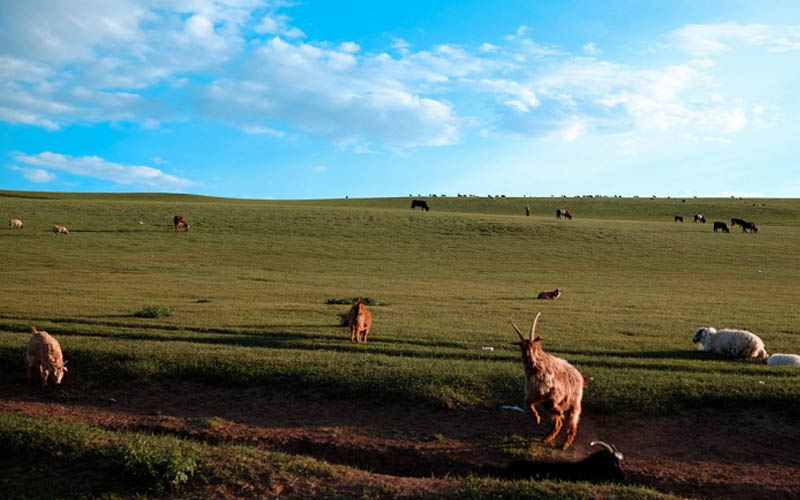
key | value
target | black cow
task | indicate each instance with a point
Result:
(421, 204)
(720, 225)
(678, 218)
(737, 222)
(751, 226)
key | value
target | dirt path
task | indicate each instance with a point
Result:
(741, 455)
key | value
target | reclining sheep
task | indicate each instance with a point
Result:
(778, 359)
(551, 382)
(602, 466)
(730, 343)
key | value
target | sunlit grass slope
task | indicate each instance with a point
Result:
(247, 290)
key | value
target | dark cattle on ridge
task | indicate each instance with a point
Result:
(737, 222)
(678, 218)
(421, 204)
(720, 225)
(751, 226)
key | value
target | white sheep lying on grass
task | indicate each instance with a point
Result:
(778, 359)
(730, 343)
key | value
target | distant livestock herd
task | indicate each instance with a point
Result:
(722, 226)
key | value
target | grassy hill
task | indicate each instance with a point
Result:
(247, 290)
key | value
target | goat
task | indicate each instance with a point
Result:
(730, 343)
(602, 466)
(179, 221)
(61, 230)
(551, 382)
(550, 295)
(784, 360)
(15, 224)
(359, 320)
(44, 351)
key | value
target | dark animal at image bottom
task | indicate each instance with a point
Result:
(721, 226)
(602, 466)
(421, 204)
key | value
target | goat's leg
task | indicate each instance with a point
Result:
(536, 414)
(558, 421)
(572, 428)
(353, 334)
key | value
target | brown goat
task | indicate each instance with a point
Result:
(44, 351)
(359, 320)
(552, 383)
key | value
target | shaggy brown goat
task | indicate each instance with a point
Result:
(359, 320)
(552, 383)
(44, 351)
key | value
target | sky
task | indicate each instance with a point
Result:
(322, 99)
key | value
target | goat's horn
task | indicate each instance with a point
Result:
(605, 445)
(516, 329)
(533, 326)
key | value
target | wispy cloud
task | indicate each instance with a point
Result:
(37, 175)
(98, 168)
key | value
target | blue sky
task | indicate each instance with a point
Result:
(316, 99)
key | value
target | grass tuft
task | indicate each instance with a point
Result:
(153, 311)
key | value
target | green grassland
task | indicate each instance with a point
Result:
(247, 288)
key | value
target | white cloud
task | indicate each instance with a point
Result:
(488, 47)
(591, 49)
(319, 168)
(710, 39)
(259, 130)
(37, 175)
(93, 166)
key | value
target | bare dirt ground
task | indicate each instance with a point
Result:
(701, 454)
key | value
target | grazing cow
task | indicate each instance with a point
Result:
(737, 222)
(44, 351)
(359, 320)
(61, 230)
(550, 295)
(563, 212)
(700, 217)
(678, 218)
(721, 226)
(15, 224)
(751, 226)
(180, 223)
(421, 204)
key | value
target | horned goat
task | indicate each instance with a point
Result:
(778, 359)
(551, 382)
(602, 466)
(730, 343)
(44, 351)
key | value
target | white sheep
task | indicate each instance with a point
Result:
(15, 224)
(730, 343)
(778, 359)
